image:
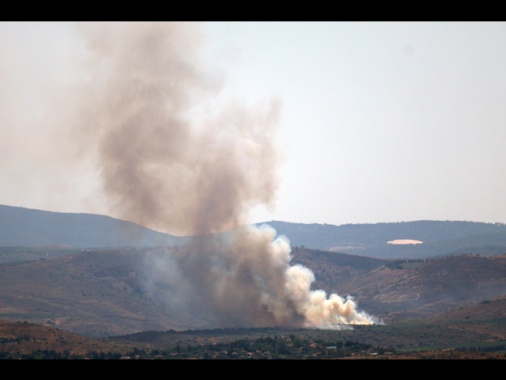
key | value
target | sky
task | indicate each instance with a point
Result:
(378, 121)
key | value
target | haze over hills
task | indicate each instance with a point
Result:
(28, 227)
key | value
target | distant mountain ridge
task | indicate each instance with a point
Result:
(30, 227)
(438, 237)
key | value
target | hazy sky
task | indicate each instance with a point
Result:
(379, 121)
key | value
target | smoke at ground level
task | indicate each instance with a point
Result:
(244, 278)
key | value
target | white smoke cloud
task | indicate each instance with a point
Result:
(244, 278)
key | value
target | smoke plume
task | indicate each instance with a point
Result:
(170, 163)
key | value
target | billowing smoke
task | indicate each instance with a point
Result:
(170, 163)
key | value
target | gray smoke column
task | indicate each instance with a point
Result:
(168, 164)
(158, 168)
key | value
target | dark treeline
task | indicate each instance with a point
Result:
(276, 347)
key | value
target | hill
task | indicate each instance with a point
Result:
(22, 227)
(436, 238)
(100, 293)
(32, 341)
(99, 277)
(28, 227)
(397, 290)
(93, 293)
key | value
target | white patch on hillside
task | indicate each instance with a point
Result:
(404, 241)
